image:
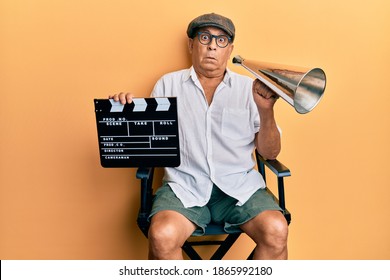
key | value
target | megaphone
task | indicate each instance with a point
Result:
(301, 87)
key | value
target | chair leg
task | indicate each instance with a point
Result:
(222, 250)
(190, 251)
(250, 257)
(224, 246)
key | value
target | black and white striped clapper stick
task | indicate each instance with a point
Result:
(141, 134)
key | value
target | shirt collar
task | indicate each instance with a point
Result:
(190, 73)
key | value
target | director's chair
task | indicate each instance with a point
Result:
(223, 246)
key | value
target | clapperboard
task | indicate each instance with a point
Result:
(141, 134)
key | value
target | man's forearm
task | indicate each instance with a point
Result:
(267, 140)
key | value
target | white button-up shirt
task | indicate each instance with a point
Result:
(216, 140)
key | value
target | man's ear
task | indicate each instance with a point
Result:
(190, 45)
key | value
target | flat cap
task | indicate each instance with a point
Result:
(213, 20)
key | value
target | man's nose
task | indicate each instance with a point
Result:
(213, 44)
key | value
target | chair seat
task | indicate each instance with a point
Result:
(214, 229)
(217, 229)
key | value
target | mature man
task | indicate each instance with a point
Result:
(222, 116)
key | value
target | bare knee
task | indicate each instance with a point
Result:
(167, 233)
(276, 233)
(163, 237)
(269, 229)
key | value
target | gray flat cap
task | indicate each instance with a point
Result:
(213, 20)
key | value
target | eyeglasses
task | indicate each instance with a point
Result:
(205, 38)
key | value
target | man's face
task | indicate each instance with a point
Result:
(209, 60)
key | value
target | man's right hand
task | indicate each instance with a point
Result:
(123, 97)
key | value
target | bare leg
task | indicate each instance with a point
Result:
(269, 230)
(167, 233)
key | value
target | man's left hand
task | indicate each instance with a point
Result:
(264, 97)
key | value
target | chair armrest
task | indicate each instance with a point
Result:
(275, 166)
(144, 173)
(146, 176)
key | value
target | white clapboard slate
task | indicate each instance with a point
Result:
(141, 134)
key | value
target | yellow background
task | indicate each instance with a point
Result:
(57, 202)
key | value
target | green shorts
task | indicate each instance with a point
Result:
(221, 208)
